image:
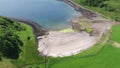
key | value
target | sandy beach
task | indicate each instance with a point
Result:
(59, 44)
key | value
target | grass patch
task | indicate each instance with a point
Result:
(115, 35)
(6, 63)
(29, 54)
(67, 30)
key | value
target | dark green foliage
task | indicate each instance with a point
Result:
(110, 8)
(9, 46)
(9, 42)
(95, 3)
(28, 37)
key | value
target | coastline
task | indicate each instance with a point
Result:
(50, 43)
(36, 28)
(90, 15)
(57, 44)
(85, 12)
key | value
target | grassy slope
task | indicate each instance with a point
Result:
(6, 63)
(29, 54)
(107, 14)
(107, 58)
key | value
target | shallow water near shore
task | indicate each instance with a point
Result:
(51, 14)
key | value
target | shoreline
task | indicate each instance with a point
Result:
(85, 12)
(58, 44)
(36, 28)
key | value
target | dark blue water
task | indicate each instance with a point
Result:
(51, 14)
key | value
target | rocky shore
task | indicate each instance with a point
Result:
(85, 12)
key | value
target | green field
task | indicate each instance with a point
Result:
(115, 36)
(107, 58)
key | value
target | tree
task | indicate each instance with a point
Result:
(9, 41)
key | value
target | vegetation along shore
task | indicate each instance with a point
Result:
(92, 41)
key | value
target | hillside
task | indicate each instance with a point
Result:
(110, 8)
(17, 45)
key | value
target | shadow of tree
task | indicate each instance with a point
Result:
(12, 53)
(14, 50)
(0, 58)
(11, 46)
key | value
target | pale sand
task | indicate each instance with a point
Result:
(65, 44)
(116, 44)
(58, 44)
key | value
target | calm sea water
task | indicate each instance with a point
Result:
(51, 14)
